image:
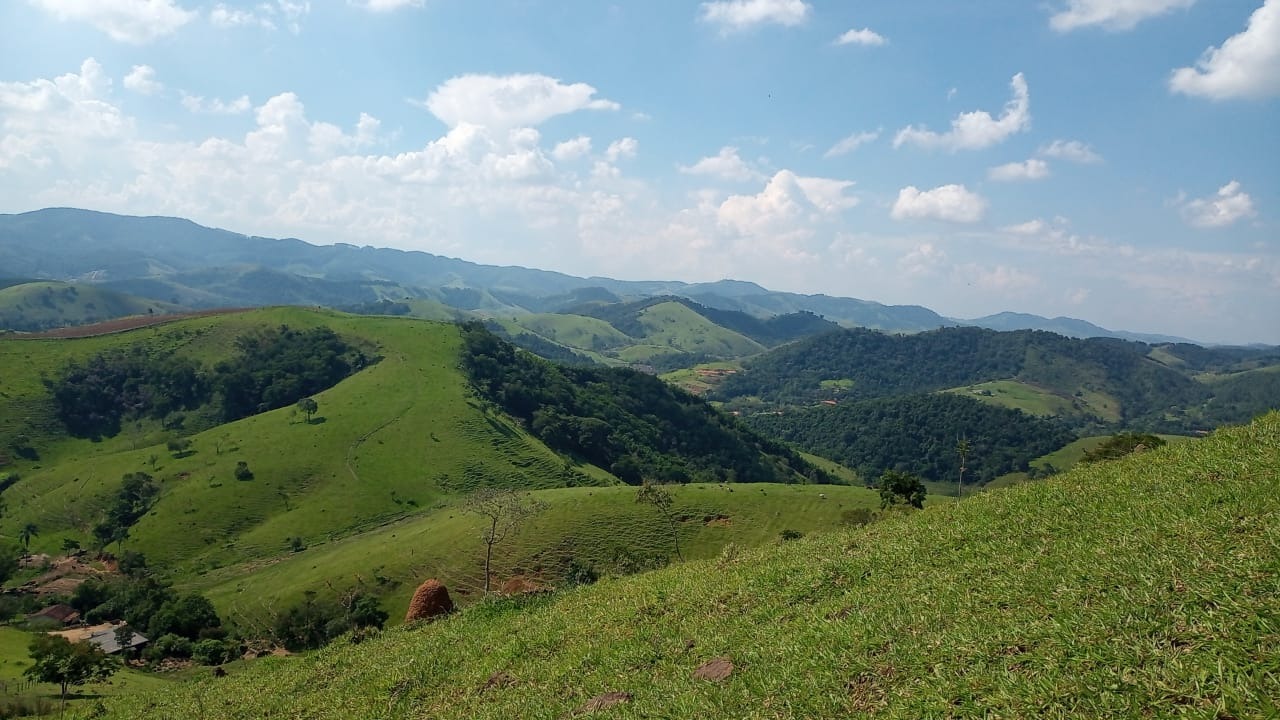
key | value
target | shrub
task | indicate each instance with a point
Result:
(214, 652)
(242, 471)
(580, 573)
(790, 534)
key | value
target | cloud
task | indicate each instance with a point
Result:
(1246, 66)
(214, 106)
(1229, 205)
(951, 203)
(1112, 15)
(1031, 227)
(866, 37)
(976, 130)
(851, 143)
(572, 149)
(785, 201)
(1000, 278)
(726, 165)
(68, 120)
(385, 5)
(264, 15)
(922, 260)
(1032, 169)
(620, 149)
(506, 101)
(142, 80)
(737, 15)
(1072, 150)
(131, 21)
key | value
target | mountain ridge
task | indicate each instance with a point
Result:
(71, 244)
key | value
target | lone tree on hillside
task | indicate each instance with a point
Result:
(962, 449)
(504, 511)
(662, 501)
(60, 661)
(307, 406)
(1117, 446)
(901, 488)
(27, 532)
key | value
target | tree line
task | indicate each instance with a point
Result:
(271, 368)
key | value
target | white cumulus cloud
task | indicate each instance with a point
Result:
(142, 80)
(131, 21)
(850, 143)
(735, 15)
(865, 36)
(1032, 169)
(950, 203)
(265, 15)
(978, 129)
(726, 165)
(215, 106)
(1246, 66)
(785, 201)
(572, 149)
(620, 149)
(1112, 14)
(506, 101)
(1072, 150)
(1229, 205)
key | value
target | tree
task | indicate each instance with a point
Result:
(899, 487)
(57, 660)
(27, 532)
(308, 407)
(962, 449)
(663, 502)
(70, 545)
(504, 511)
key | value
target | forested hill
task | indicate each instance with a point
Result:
(918, 434)
(630, 423)
(1098, 379)
(774, 330)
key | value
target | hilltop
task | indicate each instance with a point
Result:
(1143, 586)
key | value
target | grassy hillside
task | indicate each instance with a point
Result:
(393, 440)
(33, 306)
(601, 527)
(1145, 587)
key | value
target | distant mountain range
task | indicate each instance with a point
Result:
(173, 262)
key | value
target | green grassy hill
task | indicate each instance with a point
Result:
(393, 440)
(392, 449)
(41, 305)
(1146, 587)
(602, 527)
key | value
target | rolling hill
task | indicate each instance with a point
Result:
(1093, 383)
(1142, 587)
(399, 441)
(30, 306)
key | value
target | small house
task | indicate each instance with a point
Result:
(61, 613)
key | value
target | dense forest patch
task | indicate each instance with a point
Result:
(918, 434)
(272, 368)
(630, 423)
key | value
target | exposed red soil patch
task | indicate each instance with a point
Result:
(124, 324)
(715, 669)
(603, 702)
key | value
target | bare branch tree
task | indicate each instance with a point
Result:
(504, 512)
(662, 500)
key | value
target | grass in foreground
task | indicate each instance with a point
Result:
(1147, 587)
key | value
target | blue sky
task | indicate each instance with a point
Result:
(1115, 160)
